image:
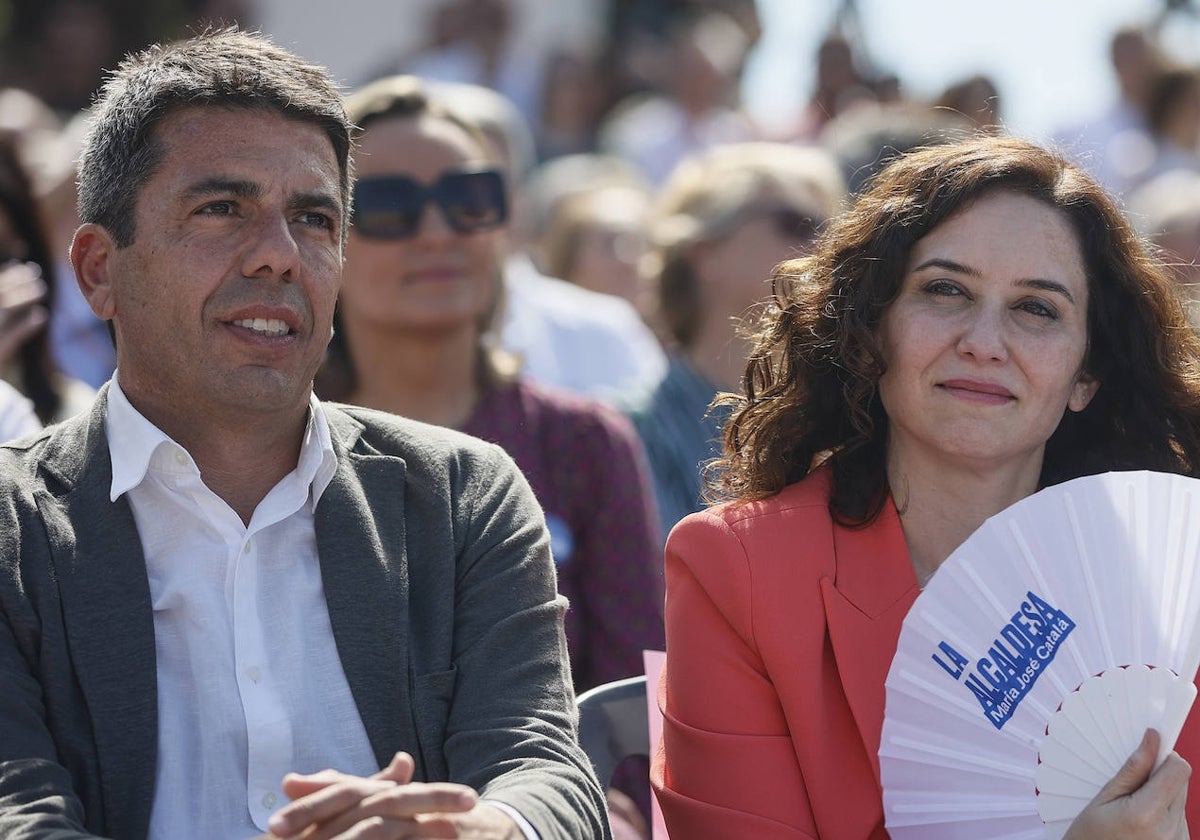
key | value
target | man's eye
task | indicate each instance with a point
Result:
(321, 220)
(217, 208)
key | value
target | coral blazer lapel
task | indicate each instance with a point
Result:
(865, 606)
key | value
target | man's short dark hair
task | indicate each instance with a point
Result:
(219, 69)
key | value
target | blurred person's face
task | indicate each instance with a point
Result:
(985, 341)
(432, 277)
(223, 303)
(611, 246)
(607, 260)
(735, 269)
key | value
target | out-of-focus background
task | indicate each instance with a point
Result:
(603, 100)
(1114, 83)
(1049, 60)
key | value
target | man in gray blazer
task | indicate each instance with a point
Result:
(213, 587)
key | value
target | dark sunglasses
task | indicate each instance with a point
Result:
(390, 206)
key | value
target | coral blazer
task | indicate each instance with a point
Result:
(781, 627)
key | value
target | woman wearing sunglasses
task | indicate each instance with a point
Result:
(420, 289)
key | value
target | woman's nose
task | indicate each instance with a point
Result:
(432, 226)
(983, 335)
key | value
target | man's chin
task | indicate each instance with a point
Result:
(266, 390)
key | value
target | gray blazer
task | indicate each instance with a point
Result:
(441, 593)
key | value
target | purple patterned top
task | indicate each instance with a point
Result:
(588, 470)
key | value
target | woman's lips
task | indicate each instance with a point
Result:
(987, 393)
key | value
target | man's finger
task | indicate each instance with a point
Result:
(346, 802)
(418, 798)
(296, 785)
(321, 805)
(396, 803)
(399, 770)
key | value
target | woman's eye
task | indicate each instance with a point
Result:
(942, 288)
(1039, 308)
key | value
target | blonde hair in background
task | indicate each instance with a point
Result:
(704, 199)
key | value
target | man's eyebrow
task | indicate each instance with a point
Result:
(316, 199)
(236, 187)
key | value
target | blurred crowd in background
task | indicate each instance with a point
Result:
(647, 204)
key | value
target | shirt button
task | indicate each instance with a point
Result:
(181, 457)
(269, 800)
(246, 547)
(254, 673)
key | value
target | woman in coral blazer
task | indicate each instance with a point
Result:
(786, 627)
(981, 323)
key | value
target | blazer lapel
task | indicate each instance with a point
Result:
(361, 546)
(865, 607)
(106, 610)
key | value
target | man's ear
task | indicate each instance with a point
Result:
(91, 250)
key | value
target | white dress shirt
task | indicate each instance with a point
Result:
(250, 685)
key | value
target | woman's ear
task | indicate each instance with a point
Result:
(1082, 391)
(90, 252)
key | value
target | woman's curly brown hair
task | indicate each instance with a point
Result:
(810, 384)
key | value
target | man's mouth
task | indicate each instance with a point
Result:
(264, 326)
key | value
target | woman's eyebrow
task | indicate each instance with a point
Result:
(1049, 286)
(948, 265)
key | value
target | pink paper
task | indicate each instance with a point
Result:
(654, 661)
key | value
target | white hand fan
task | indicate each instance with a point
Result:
(1038, 655)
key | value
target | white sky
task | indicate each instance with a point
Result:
(1049, 58)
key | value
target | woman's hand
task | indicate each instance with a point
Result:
(21, 311)
(1139, 802)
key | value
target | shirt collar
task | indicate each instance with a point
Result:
(133, 440)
